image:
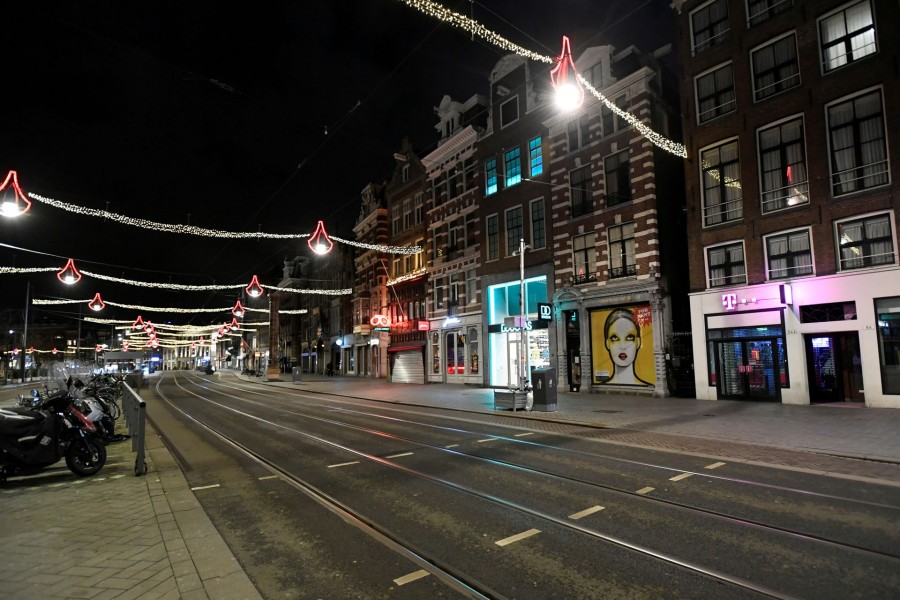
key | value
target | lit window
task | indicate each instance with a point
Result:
(722, 199)
(782, 158)
(715, 94)
(858, 147)
(535, 157)
(584, 258)
(789, 254)
(847, 35)
(490, 176)
(512, 167)
(865, 242)
(621, 251)
(726, 265)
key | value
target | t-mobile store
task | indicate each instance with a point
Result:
(516, 345)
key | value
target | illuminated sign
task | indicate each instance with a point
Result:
(380, 321)
(424, 326)
(545, 311)
(729, 301)
(449, 321)
(528, 326)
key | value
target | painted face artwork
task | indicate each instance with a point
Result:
(622, 342)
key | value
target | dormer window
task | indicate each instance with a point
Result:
(509, 111)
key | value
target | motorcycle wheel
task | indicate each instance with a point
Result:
(86, 457)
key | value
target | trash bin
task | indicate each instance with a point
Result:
(544, 382)
(297, 372)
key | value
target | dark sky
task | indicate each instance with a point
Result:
(202, 112)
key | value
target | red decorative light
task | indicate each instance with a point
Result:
(569, 93)
(379, 321)
(15, 351)
(238, 310)
(254, 289)
(138, 323)
(124, 346)
(54, 351)
(234, 324)
(221, 331)
(30, 350)
(69, 273)
(319, 242)
(97, 303)
(9, 207)
(98, 348)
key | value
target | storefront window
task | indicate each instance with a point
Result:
(887, 311)
(506, 339)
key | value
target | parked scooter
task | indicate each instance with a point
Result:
(52, 429)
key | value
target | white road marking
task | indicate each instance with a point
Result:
(120, 476)
(268, 477)
(452, 446)
(680, 477)
(411, 577)
(715, 465)
(645, 490)
(518, 537)
(586, 512)
(355, 462)
(205, 487)
(487, 440)
(524, 434)
(399, 455)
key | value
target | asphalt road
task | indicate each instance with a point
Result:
(323, 497)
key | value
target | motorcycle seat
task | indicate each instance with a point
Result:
(18, 422)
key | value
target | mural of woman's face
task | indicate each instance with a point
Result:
(622, 341)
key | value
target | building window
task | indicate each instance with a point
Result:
(493, 238)
(709, 25)
(509, 111)
(514, 231)
(538, 224)
(726, 265)
(782, 157)
(404, 173)
(594, 76)
(775, 67)
(722, 200)
(612, 122)
(762, 10)
(439, 293)
(407, 214)
(621, 251)
(618, 178)
(471, 286)
(715, 94)
(887, 312)
(397, 271)
(789, 255)
(847, 35)
(580, 191)
(584, 258)
(858, 148)
(512, 162)
(418, 205)
(865, 242)
(395, 219)
(535, 157)
(578, 133)
(490, 176)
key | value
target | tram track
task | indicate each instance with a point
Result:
(506, 504)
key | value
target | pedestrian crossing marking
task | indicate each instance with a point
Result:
(399, 455)
(715, 465)
(517, 537)
(645, 490)
(680, 477)
(586, 512)
(411, 577)
(346, 464)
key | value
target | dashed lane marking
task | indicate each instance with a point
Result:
(411, 577)
(346, 464)
(518, 537)
(645, 490)
(715, 465)
(524, 434)
(204, 487)
(586, 512)
(399, 455)
(268, 477)
(680, 477)
(452, 446)
(487, 440)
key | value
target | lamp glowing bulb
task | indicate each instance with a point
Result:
(10, 206)
(569, 93)
(568, 97)
(69, 274)
(319, 242)
(255, 290)
(97, 304)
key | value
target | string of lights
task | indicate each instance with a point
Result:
(41, 302)
(433, 9)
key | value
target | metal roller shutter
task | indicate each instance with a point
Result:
(408, 367)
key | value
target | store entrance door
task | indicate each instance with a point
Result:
(748, 370)
(834, 367)
(455, 357)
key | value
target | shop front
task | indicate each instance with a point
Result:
(454, 350)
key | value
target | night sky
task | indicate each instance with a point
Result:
(215, 114)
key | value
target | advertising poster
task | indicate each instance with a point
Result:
(622, 346)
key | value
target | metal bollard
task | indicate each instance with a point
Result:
(135, 411)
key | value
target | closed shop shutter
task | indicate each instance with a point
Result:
(408, 367)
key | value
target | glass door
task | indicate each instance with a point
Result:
(748, 369)
(455, 356)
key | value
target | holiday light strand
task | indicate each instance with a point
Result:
(163, 286)
(340, 292)
(12, 270)
(433, 9)
(414, 275)
(40, 302)
(380, 247)
(457, 20)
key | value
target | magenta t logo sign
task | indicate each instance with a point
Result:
(729, 301)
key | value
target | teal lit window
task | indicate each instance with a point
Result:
(512, 167)
(535, 157)
(490, 177)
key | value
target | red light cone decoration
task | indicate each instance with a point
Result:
(124, 346)
(254, 289)
(69, 274)
(138, 323)
(234, 324)
(54, 351)
(98, 348)
(97, 304)
(30, 350)
(15, 351)
(569, 93)
(238, 310)
(12, 193)
(319, 242)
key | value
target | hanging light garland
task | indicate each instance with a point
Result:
(11, 196)
(41, 302)
(433, 9)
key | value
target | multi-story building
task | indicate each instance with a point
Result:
(791, 149)
(407, 287)
(616, 225)
(453, 255)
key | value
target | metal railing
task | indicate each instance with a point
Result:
(135, 411)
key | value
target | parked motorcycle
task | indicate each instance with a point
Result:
(51, 429)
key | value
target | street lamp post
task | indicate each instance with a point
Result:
(523, 332)
(25, 329)
(272, 370)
